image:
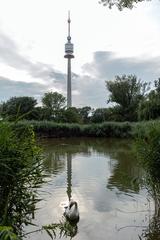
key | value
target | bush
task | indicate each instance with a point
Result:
(147, 143)
(52, 129)
(20, 176)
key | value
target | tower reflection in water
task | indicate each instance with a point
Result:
(69, 176)
(71, 224)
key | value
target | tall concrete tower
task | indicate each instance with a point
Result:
(69, 55)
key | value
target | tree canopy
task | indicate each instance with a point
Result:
(120, 4)
(71, 115)
(126, 92)
(85, 113)
(53, 102)
(149, 108)
(18, 107)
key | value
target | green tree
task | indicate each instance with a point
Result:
(40, 113)
(99, 115)
(18, 107)
(53, 103)
(71, 115)
(157, 86)
(1, 108)
(115, 114)
(37, 113)
(149, 108)
(85, 113)
(127, 92)
(120, 4)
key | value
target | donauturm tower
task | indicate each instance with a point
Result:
(69, 55)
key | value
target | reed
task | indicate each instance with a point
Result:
(56, 130)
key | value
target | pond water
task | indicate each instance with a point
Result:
(104, 178)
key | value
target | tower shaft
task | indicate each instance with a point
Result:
(69, 88)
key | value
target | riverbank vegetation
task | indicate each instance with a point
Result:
(147, 150)
(20, 177)
(147, 143)
(106, 129)
(49, 129)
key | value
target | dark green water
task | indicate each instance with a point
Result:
(102, 175)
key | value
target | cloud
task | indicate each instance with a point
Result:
(11, 55)
(10, 88)
(91, 91)
(105, 65)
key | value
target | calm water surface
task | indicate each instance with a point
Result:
(103, 177)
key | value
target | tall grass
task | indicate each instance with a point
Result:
(147, 144)
(20, 177)
(52, 129)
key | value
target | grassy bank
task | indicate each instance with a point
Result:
(56, 130)
(147, 143)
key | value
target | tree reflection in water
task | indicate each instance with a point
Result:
(128, 177)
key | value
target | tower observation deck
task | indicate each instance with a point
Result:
(69, 55)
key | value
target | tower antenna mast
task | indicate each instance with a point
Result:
(69, 22)
(69, 55)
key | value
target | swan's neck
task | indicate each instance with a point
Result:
(73, 204)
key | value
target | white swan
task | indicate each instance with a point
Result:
(72, 212)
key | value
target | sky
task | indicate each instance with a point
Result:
(107, 42)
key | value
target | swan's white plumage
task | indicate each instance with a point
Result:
(72, 212)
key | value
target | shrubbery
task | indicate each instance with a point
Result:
(20, 176)
(147, 142)
(106, 129)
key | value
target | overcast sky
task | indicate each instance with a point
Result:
(106, 42)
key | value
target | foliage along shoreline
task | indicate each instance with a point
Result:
(20, 177)
(51, 129)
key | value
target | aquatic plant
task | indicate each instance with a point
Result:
(147, 145)
(106, 129)
(20, 176)
(6, 233)
(61, 229)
